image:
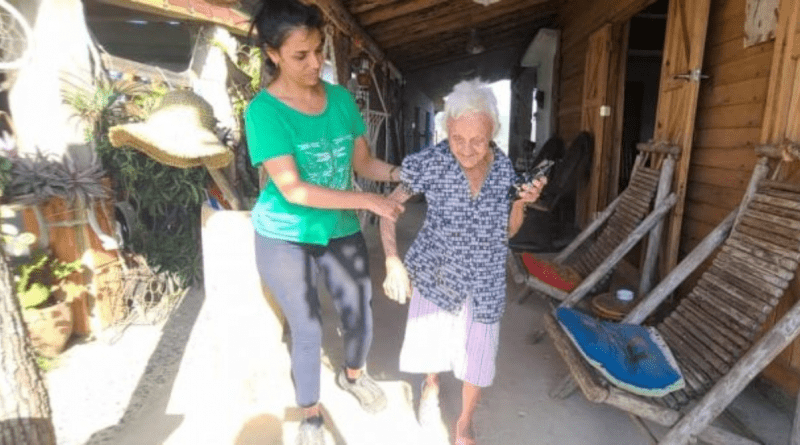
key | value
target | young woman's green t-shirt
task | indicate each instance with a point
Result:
(322, 146)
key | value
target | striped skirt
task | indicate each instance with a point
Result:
(438, 341)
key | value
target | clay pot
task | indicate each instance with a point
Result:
(49, 328)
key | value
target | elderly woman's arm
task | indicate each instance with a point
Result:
(529, 194)
(397, 285)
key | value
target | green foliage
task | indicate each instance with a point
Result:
(37, 177)
(168, 200)
(5, 173)
(170, 244)
(46, 364)
(40, 276)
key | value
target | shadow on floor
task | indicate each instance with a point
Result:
(160, 373)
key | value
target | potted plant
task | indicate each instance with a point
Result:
(45, 293)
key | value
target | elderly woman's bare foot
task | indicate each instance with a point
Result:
(464, 433)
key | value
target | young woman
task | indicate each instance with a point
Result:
(308, 136)
(457, 262)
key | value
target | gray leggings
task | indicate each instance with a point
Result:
(290, 270)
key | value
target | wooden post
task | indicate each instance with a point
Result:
(641, 230)
(654, 242)
(680, 272)
(729, 386)
(795, 437)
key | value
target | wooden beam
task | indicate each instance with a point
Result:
(502, 33)
(620, 251)
(342, 19)
(396, 10)
(729, 386)
(432, 56)
(686, 267)
(399, 31)
(192, 10)
(359, 6)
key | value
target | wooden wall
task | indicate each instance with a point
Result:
(578, 19)
(729, 120)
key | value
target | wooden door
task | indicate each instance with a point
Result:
(601, 85)
(781, 125)
(681, 73)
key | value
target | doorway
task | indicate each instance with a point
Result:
(647, 31)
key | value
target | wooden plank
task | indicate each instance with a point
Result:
(739, 267)
(747, 92)
(733, 306)
(739, 70)
(774, 210)
(723, 317)
(727, 137)
(396, 10)
(764, 255)
(595, 94)
(713, 283)
(720, 396)
(705, 212)
(641, 407)
(574, 361)
(720, 177)
(747, 281)
(778, 199)
(764, 236)
(720, 196)
(676, 339)
(791, 187)
(718, 355)
(680, 272)
(758, 263)
(726, 48)
(579, 19)
(725, 337)
(755, 223)
(729, 158)
(792, 255)
(768, 218)
(401, 32)
(341, 18)
(644, 227)
(711, 299)
(746, 115)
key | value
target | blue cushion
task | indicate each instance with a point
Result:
(632, 357)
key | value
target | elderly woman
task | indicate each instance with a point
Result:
(457, 262)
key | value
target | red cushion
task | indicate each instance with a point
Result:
(548, 273)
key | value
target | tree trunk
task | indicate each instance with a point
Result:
(24, 405)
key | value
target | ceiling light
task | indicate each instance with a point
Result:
(486, 2)
(474, 45)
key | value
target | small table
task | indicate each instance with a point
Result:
(608, 306)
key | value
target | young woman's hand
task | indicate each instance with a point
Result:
(383, 206)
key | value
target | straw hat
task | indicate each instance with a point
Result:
(179, 132)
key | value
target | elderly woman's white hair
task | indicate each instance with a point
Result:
(472, 96)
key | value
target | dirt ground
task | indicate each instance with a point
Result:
(218, 374)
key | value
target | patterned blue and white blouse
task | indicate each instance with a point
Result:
(461, 249)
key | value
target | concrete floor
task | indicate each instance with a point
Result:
(218, 377)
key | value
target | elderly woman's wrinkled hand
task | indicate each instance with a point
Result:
(397, 286)
(530, 192)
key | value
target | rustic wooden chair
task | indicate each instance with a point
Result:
(713, 330)
(639, 209)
